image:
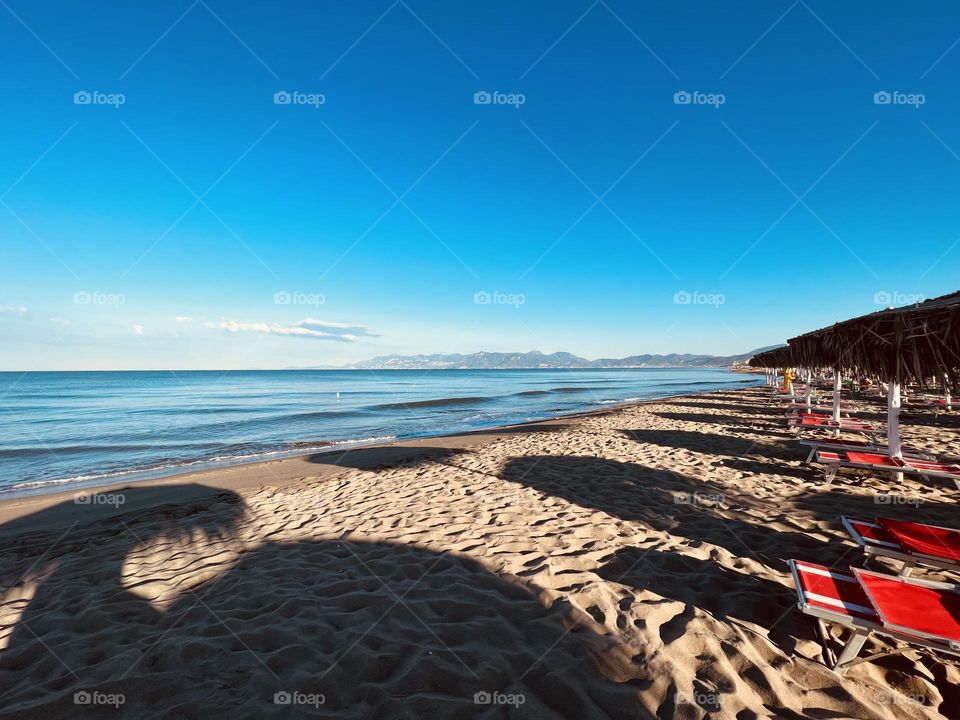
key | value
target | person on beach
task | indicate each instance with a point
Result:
(788, 377)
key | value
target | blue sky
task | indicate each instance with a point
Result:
(176, 213)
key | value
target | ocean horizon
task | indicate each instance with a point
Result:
(81, 429)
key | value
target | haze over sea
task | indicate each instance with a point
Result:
(81, 429)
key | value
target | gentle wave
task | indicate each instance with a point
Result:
(173, 467)
(439, 402)
(39, 451)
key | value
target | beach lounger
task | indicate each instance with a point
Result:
(817, 411)
(836, 459)
(915, 612)
(801, 411)
(804, 422)
(907, 542)
(859, 445)
(940, 404)
(822, 410)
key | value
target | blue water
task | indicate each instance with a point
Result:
(64, 429)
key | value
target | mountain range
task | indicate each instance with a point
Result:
(536, 359)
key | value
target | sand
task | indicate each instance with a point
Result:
(624, 564)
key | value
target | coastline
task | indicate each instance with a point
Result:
(83, 443)
(246, 475)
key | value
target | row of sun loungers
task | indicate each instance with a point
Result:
(917, 612)
(868, 455)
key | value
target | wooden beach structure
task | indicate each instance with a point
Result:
(899, 345)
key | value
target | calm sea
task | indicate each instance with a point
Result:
(65, 429)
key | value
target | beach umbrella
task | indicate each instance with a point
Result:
(916, 341)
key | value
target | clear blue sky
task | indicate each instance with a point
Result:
(157, 233)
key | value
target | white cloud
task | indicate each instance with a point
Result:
(309, 328)
(138, 329)
(60, 321)
(19, 309)
(184, 319)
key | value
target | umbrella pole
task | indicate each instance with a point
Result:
(946, 394)
(809, 391)
(837, 385)
(893, 422)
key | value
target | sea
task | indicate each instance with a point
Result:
(60, 430)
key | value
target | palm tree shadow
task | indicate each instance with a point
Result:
(338, 628)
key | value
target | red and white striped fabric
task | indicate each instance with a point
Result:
(836, 591)
(871, 534)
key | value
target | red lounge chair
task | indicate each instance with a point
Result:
(868, 602)
(817, 410)
(834, 460)
(806, 422)
(861, 445)
(915, 608)
(940, 404)
(908, 542)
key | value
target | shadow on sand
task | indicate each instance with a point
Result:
(210, 627)
(665, 501)
(376, 458)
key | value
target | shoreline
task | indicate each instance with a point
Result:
(246, 474)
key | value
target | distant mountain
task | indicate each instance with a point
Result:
(536, 359)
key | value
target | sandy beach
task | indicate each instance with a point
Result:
(629, 563)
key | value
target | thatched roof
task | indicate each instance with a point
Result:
(918, 341)
(777, 358)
